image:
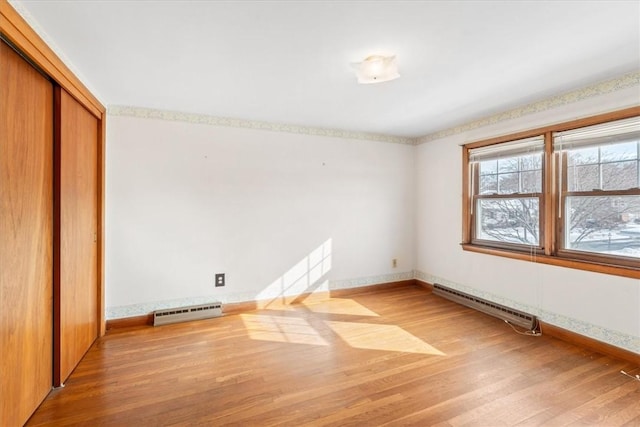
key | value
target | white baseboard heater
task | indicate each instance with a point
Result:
(185, 314)
(513, 316)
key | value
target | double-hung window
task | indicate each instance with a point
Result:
(566, 194)
(599, 180)
(507, 193)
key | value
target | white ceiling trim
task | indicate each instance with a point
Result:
(623, 82)
(176, 116)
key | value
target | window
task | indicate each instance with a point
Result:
(507, 193)
(566, 195)
(600, 190)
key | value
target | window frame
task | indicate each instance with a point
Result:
(551, 239)
(477, 196)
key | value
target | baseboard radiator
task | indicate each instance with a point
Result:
(185, 314)
(513, 316)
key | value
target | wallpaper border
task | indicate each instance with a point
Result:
(618, 339)
(590, 91)
(118, 312)
(176, 116)
(612, 85)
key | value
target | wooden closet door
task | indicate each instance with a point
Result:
(26, 237)
(76, 290)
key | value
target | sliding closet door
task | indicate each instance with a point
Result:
(77, 214)
(26, 237)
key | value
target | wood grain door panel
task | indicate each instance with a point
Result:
(26, 237)
(77, 214)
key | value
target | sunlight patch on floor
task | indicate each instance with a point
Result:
(293, 330)
(339, 306)
(372, 336)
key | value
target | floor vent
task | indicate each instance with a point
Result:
(184, 314)
(515, 317)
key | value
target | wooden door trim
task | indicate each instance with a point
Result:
(16, 30)
(102, 155)
(57, 382)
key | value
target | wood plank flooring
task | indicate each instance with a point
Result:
(396, 357)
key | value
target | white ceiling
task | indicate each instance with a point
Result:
(289, 61)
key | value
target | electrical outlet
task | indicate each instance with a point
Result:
(219, 279)
(394, 263)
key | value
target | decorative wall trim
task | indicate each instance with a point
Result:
(615, 338)
(370, 280)
(146, 308)
(601, 88)
(176, 116)
(142, 309)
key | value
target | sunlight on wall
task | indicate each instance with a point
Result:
(293, 330)
(373, 336)
(304, 277)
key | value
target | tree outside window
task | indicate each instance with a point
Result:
(572, 192)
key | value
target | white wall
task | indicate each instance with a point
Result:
(278, 213)
(602, 306)
(283, 213)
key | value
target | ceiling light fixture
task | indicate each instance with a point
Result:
(376, 69)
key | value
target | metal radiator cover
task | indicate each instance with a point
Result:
(516, 317)
(185, 314)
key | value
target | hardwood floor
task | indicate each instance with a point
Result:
(394, 357)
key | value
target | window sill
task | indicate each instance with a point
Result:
(557, 261)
